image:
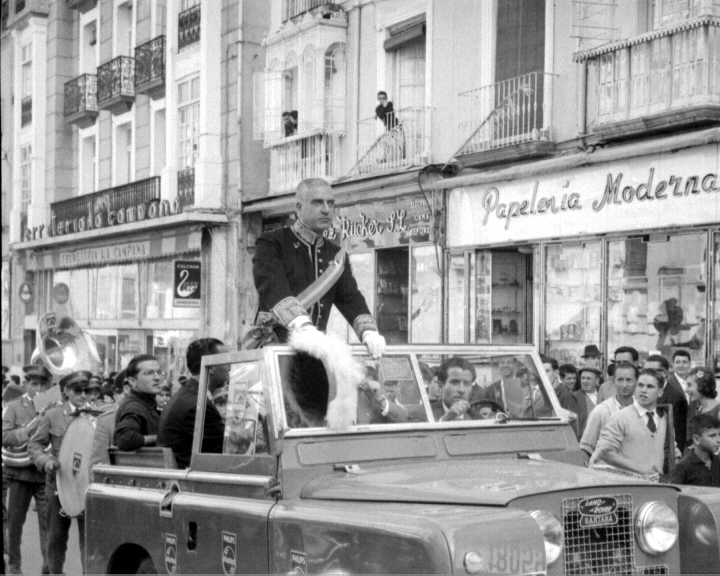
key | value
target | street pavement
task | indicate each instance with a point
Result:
(31, 556)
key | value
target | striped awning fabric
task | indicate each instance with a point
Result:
(148, 246)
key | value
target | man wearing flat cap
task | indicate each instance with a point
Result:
(19, 422)
(51, 430)
(582, 401)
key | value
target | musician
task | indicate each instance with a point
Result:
(51, 430)
(288, 260)
(25, 482)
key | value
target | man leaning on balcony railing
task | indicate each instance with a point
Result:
(385, 111)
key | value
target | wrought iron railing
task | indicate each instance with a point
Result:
(81, 94)
(116, 78)
(26, 111)
(189, 27)
(316, 156)
(297, 7)
(665, 70)
(124, 196)
(399, 140)
(19, 6)
(150, 61)
(186, 187)
(505, 113)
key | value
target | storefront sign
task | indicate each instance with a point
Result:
(25, 292)
(104, 254)
(186, 284)
(681, 188)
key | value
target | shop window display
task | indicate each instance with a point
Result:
(573, 300)
(657, 295)
(159, 302)
(426, 295)
(78, 304)
(716, 304)
(391, 311)
(457, 299)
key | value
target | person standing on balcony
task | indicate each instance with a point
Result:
(290, 260)
(385, 111)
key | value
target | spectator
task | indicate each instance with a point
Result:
(137, 420)
(700, 466)
(626, 375)
(431, 382)
(633, 441)
(20, 419)
(290, 122)
(455, 377)
(485, 410)
(385, 111)
(378, 404)
(673, 396)
(163, 397)
(568, 377)
(681, 367)
(626, 354)
(177, 423)
(497, 391)
(703, 393)
(593, 357)
(95, 387)
(607, 388)
(552, 369)
(182, 380)
(582, 401)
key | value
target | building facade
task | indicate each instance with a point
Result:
(128, 176)
(548, 173)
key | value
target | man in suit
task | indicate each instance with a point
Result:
(681, 364)
(582, 401)
(455, 377)
(51, 430)
(672, 394)
(19, 421)
(497, 391)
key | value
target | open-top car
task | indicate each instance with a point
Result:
(406, 487)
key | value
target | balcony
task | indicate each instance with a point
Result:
(400, 141)
(81, 106)
(186, 187)
(315, 156)
(293, 8)
(506, 121)
(92, 210)
(661, 81)
(24, 9)
(189, 27)
(150, 68)
(26, 111)
(116, 84)
(81, 5)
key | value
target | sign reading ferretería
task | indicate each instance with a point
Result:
(672, 189)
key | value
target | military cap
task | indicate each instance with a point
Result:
(95, 382)
(79, 379)
(37, 371)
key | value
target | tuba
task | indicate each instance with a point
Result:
(63, 347)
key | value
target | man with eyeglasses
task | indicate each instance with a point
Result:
(51, 431)
(137, 420)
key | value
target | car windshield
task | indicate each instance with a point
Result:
(407, 388)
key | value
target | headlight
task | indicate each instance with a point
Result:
(552, 532)
(656, 527)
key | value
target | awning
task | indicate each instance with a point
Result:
(147, 246)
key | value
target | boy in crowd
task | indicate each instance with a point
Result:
(701, 465)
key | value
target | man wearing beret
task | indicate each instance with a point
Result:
(51, 430)
(290, 259)
(25, 482)
(582, 401)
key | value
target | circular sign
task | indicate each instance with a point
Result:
(61, 293)
(25, 292)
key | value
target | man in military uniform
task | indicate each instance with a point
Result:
(25, 482)
(51, 430)
(290, 259)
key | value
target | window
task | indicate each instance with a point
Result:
(664, 13)
(88, 56)
(406, 49)
(77, 282)
(125, 34)
(159, 142)
(25, 177)
(188, 23)
(159, 292)
(189, 112)
(89, 165)
(335, 79)
(520, 38)
(27, 82)
(124, 154)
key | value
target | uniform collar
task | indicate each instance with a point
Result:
(307, 235)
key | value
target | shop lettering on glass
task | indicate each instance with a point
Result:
(124, 252)
(100, 216)
(614, 194)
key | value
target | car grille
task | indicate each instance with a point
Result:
(604, 549)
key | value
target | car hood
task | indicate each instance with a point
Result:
(483, 482)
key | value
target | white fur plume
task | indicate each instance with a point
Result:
(345, 374)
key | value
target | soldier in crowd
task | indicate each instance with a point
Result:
(50, 431)
(20, 419)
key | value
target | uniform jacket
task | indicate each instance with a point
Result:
(51, 430)
(578, 402)
(287, 261)
(15, 432)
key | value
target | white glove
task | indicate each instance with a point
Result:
(375, 343)
(301, 323)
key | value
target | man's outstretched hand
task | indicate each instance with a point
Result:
(375, 343)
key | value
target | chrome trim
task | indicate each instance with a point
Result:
(235, 479)
(155, 473)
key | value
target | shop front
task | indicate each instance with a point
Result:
(617, 252)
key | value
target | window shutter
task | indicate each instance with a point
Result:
(267, 99)
(398, 39)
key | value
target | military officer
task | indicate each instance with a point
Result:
(19, 422)
(290, 259)
(51, 430)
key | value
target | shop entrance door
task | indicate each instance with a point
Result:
(391, 303)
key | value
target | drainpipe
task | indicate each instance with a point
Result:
(582, 104)
(358, 5)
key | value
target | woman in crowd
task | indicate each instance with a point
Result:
(702, 391)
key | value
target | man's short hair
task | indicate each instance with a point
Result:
(681, 352)
(625, 366)
(548, 360)
(133, 368)
(307, 184)
(566, 369)
(120, 381)
(455, 362)
(701, 422)
(625, 350)
(382, 93)
(659, 378)
(659, 359)
(198, 349)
